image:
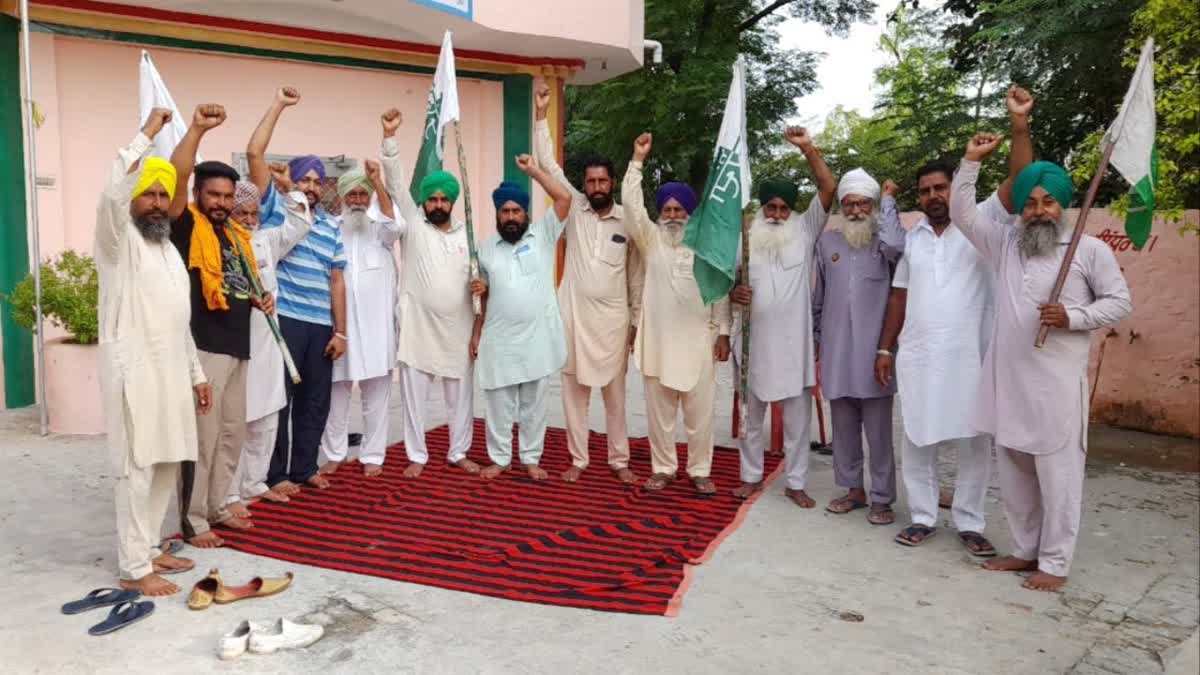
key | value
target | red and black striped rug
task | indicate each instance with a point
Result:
(596, 544)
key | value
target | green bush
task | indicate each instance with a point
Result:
(70, 295)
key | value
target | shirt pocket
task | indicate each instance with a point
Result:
(793, 257)
(614, 248)
(375, 258)
(877, 267)
(527, 259)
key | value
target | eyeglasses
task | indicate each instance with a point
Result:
(857, 205)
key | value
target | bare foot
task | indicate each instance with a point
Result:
(329, 467)
(372, 470)
(468, 466)
(1010, 563)
(273, 495)
(413, 470)
(800, 498)
(238, 510)
(235, 523)
(536, 472)
(286, 488)
(945, 498)
(318, 481)
(207, 540)
(169, 564)
(492, 471)
(150, 585)
(625, 475)
(572, 474)
(744, 490)
(1040, 581)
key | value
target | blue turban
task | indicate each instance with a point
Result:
(680, 192)
(510, 192)
(300, 166)
(1051, 177)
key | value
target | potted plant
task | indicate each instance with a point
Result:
(70, 295)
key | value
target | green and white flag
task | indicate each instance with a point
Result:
(1135, 153)
(442, 110)
(714, 230)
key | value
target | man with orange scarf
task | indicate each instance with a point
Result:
(218, 256)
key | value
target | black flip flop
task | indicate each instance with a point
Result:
(170, 546)
(101, 597)
(121, 616)
(906, 536)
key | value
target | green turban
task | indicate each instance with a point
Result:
(1051, 177)
(439, 181)
(778, 187)
(352, 179)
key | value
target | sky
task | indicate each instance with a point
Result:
(846, 75)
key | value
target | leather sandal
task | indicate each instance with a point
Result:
(259, 587)
(205, 590)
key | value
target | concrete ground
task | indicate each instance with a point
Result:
(776, 597)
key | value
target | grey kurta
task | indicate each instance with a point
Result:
(849, 301)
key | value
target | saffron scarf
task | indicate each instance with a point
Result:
(205, 255)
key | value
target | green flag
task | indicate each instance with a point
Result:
(442, 110)
(715, 228)
(1135, 154)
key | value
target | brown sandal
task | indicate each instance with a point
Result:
(657, 482)
(881, 514)
(704, 485)
(205, 591)
(747, 490)
(259, 587)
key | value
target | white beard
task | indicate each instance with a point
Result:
(768, 237)
(858, 231)
(355, 220)
(673, 230)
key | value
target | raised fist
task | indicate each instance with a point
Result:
(1019, 101)
(391, 120)
(890, 188)
(526, 164)
(641, 146)
(281, 176)
(287, 96)
(797, 136)
(155, 121)
(371, 168)
(981, 145)
(541, 98)
(208, 116)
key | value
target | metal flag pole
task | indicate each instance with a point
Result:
(31, 178)
(466, 185)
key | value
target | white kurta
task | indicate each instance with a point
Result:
(947, 323)
(434, 310)
(602, 279)
(266, 392)
(148, 361)
(781, 335)
(370, 300)
(676, 331)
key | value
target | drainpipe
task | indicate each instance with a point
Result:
(656, 46)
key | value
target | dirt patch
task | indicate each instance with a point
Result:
(1138, 448)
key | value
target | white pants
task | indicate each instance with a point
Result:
(919, 469)
(335, 444)
(1043, 500)
(250, 479)
(142, 498)
(524, 404)
(797, 415)
(459, 398)
(662, 412)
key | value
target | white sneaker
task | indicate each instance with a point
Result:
(234, 644)
(284, 635)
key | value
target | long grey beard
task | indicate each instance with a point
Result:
(674, 230)
(859, 230)
(355, 220)
(768, 236)
(1038, 238)
(155, 231)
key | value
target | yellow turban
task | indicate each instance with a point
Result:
(156, 170)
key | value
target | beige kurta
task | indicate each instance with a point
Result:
(601, 286)
(148, 360)
(676, 331)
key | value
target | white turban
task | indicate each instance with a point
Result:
(858, 182)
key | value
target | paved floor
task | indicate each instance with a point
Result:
(772, 599)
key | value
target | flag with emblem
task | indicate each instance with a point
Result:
(715, 228)
(441, 110)
(1134, 152)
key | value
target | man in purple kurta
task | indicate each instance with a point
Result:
(1034, 400)
(854, 264)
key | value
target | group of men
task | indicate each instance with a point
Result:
(272, 278)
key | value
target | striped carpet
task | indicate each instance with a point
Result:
(596, 544)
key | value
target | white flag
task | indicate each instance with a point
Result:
(1134, 153)
(152, 93)
(441, 110)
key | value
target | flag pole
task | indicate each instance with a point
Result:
(1080, 223)
(744, 371)
(34, 226)
(466, 184)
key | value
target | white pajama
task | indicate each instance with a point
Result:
(459, 398)
(142, 497)
(919, 469)
(1043, 501)
(376, 394)
(797, 415)
(662, 411)
(525, 404)
(250, 479)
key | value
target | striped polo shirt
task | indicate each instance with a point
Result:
(303, 275)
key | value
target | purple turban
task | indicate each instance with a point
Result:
(302, 165)
(682, 194)
(510, 192)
